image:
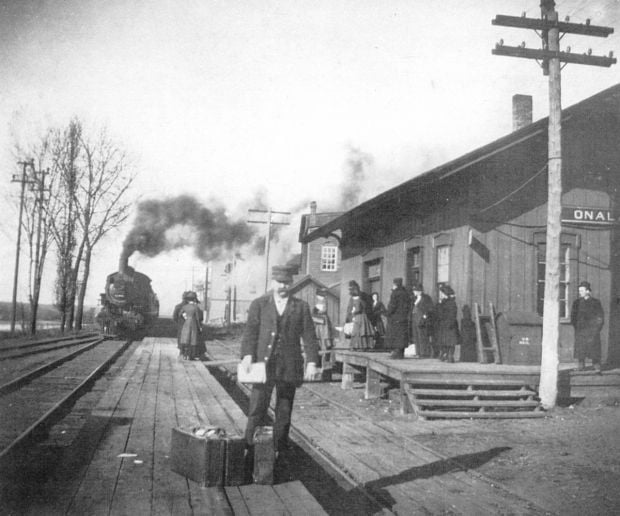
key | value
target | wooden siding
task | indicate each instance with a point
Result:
(502, 202)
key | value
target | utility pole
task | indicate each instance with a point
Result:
(206, 295)
(23, 179)
(550, 57)
(269, 221)
(38, 185)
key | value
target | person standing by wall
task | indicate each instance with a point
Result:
(397, 334)
(276, 325)
(587, 318)
(447, 324)
(362, 333)
(422, 312)
(324, 329)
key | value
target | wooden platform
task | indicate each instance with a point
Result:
(432, 388)
(120, 463)
(381, 461)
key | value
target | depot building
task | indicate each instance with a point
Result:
(479, 223)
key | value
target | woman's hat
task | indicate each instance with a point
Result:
(191, 296)
(446, 289)
(417, 286)
(585, 284)
(322, 292)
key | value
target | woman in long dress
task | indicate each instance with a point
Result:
(363, 333)
(191, 331)
(323, 328)
(378, 319)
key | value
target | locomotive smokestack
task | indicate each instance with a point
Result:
(123, 262)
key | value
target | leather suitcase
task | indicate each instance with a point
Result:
(198, 456)
(234, 466)
(264, 455)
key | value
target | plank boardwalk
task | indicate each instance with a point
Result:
(398, 472)
(120, 463)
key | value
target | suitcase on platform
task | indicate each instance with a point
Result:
(199, 454)
(234, 465)
(264, 455)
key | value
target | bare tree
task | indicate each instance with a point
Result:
(100, 200)
(65, 150)
(38, 211)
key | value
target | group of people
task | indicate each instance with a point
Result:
(188, 317)
(286, 334)
(433, 328)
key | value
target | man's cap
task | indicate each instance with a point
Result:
(191, 296)
(322, 292)
(585, 284)
(417, 286)
(353, 283)
(398, 282)
(282, 273)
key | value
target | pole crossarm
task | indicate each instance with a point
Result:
(521, 22)
(269, 211)
(541, 54)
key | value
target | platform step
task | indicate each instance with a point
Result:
(473, 401)
(427, 414)
(477, 403)
(465, 393)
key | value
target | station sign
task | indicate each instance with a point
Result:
(594, 216)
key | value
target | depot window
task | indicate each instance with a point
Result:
(568, 271)
(329, 258)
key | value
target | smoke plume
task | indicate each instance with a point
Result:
(163, 225)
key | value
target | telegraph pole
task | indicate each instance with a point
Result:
(269, 221)
(23, 179)
(550, 57)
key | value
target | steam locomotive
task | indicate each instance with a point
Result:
(128, 303)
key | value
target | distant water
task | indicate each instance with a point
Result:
(42, 325)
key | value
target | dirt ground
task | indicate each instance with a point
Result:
(568, 461)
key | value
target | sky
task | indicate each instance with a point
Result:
(269, 103)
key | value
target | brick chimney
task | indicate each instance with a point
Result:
(521, 111)
(312, 218)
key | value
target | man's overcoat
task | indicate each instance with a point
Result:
(587, 318)
(397, 333)
(260, 337)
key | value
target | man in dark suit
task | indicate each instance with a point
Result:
(587, 317)
(397, 334)
(276, 324)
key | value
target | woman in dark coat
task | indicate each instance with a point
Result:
(191, 331)
(447, 325)
(422, 312)
(397, 334)
(587, 318)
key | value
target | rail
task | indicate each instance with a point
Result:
(52, 415)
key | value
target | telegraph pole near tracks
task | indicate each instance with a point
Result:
(23, 179)
(269, 221)
(550, 57)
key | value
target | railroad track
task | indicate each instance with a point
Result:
(43, 346)
(33, 402)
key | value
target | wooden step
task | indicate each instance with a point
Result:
(489, 393)
(476, 403)
(480, 415)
